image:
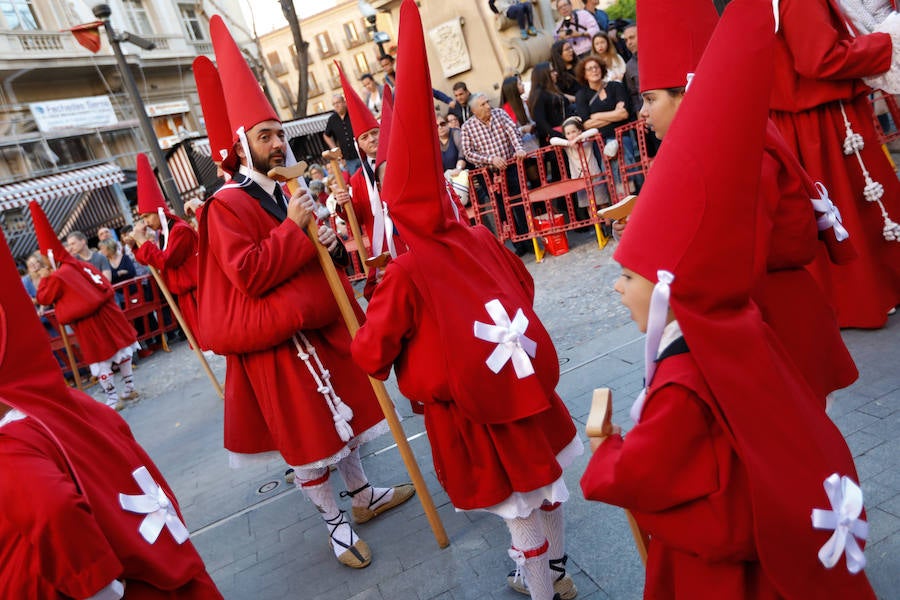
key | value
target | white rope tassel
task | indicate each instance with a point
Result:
(846, 506)
(656, 323)
(853, 142)
(873, 190)
(340, 412)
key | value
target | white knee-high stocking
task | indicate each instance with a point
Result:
(529, 550)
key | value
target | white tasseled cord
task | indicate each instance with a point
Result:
(873, 191)
(340, 412)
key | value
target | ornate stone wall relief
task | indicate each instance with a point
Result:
(451, 46)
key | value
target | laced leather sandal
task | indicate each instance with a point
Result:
(362, 514)
(563, 586)
(356, 555)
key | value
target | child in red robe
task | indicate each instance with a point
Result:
(85, 512)
(83, 299)
(454, 316)
(731, 452)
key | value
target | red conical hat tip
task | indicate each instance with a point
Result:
(361, 117)
(46, 237)
(150, 196)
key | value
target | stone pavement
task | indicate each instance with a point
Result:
(262, 540)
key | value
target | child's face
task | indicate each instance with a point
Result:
(659, 110)
(571, 132)
(635, 291)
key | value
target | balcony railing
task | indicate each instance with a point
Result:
(334, 82)
(329, 52)
(40, 41)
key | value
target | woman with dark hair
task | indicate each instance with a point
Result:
(601, 104)
(563, 59)
(547, 104)
(511, 101)
(605, 49)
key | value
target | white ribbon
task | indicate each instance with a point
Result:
(164, 225)
(382, 225)
(512, 343)
(656, 323)
(156, 505)
(846, 505)
(831, 216)
(519, 558)
(50, 258)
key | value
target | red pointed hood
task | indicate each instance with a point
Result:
(697, 219)
(361, 117)
(26, 364)
(414, 186)
(215, 111)
(384, 136)
(672, 38)
(46, 237)
(150, 196)
(246, 103)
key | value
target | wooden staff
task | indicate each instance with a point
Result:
(290, 175)
(187, 330)
(73, 364)
(599, 426)
(333, 157)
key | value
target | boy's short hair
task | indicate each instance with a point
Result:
(460, 85)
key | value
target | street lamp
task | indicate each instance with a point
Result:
(103, 12)
(371, 15)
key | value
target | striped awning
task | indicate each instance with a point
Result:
(85, 211)
(305, 126)
(60, 185)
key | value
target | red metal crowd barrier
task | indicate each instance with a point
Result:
(540, 199)
(355, 271)
(143, 305)
(885, 105)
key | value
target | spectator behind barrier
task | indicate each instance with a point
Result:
(548, 105)
(511, 101)
(605, 49)
(462, 110)
(563, 59)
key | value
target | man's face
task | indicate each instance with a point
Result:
(461, 96)
(630, 37)
(482, 109)
(267, 145)
(74, 245)
(103, 234)
(339, 104)
(368, 142)
(659, 110)
(369, 84)
(564, 8)
(152, 221)
(387, 65)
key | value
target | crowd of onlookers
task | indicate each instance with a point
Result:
(589, 87)
(113, 257)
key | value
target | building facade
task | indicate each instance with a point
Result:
(68, 133)
(465, 43)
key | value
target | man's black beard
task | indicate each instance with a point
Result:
(263, 165)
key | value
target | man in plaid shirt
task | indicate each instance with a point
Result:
(491, 139)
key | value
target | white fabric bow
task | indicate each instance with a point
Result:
(831, 216)
(156, 505)
(512, 343)
(846, 505)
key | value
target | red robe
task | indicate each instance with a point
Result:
(790, 300)
(818, 66)
(178, 266)
(678, 472)
(260, 284)
(64, 534)
(84, 299)
(480, 457)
